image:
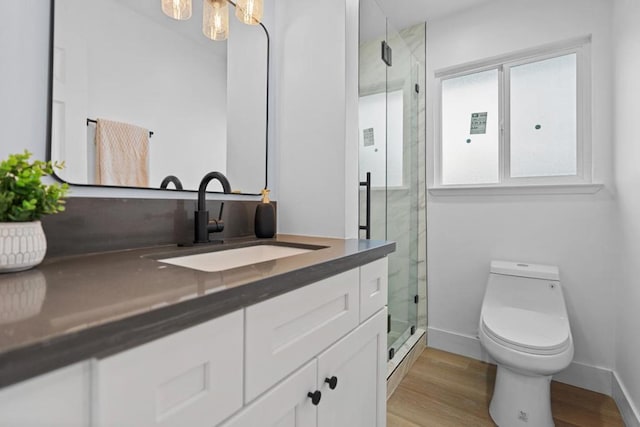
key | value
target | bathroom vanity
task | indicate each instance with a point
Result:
(123, 339)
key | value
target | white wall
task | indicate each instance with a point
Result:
(627, 174)
(316, 117)
(574, 232)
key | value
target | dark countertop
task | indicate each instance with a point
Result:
(74, 308)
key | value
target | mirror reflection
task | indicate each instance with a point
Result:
(142, 100)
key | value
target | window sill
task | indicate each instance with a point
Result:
(516, 190)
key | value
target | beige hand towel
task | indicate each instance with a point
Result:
(122, 154)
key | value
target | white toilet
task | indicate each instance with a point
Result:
(524, 327)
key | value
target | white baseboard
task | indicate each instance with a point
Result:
(452, 342)
(630, 414)
(592, 378)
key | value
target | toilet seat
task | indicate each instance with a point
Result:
(527, 331)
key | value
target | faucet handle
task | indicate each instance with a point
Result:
(216, 225)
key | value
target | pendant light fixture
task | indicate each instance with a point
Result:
(215, 19)
(215, 14)
(177, 9)
(249, 11)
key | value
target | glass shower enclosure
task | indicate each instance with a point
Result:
(388, 151)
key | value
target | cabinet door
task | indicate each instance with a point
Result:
(59, 398)
(190, 378)
(286, 405)
(374, 283)
(285, 332)
(358, 362)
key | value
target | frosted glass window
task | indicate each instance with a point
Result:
(470, 156)
(519, 119)
(543, 118)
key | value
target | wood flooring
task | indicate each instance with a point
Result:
(444, 389)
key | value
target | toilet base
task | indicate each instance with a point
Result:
(521, 400)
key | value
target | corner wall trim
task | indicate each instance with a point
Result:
(630, 414)
(589, 377)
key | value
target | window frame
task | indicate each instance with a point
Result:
(581, 47)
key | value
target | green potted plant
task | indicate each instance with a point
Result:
(24, 199)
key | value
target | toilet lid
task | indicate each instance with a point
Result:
(530, 330)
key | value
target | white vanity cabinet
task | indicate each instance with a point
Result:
(349, 378)
(345, 358)
(189, 378)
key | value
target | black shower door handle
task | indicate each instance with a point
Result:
(367, 226)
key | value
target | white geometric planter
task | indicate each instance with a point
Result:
(22, 245)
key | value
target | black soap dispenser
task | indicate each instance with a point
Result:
(265, 221)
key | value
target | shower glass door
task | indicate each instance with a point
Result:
(389, 151)
(402, 190)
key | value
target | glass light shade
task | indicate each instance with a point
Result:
(249, 11)
(177, 9)
(215, 19)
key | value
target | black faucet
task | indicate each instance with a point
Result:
(169, 179)
(204, 226)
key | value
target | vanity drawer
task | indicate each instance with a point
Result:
(284, 332)
(190, 378)
(58, 398)
(374, 282)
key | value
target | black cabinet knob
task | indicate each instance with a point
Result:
(333, 382)
(315, 397)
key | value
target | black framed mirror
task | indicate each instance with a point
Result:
(186, 105)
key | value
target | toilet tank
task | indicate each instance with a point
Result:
(519, 269)
(525, 286)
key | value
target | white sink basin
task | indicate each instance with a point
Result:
(232, 258)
